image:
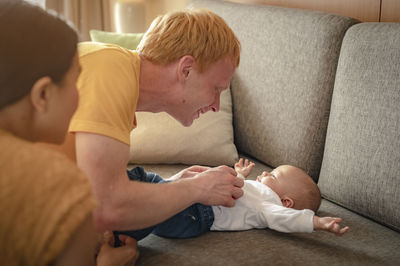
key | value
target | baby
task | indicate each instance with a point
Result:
(284, 200)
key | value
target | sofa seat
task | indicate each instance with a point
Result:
(268, 247)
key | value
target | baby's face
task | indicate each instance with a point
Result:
(279, 179)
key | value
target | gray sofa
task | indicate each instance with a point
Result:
(322, 92)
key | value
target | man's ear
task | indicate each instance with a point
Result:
(185, 66)
(40, 93)
(287, 202)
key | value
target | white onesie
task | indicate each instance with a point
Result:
(261, 207)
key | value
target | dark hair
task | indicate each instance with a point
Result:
(34, 43)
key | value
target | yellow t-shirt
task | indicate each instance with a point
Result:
(108, 89)
(44, 198)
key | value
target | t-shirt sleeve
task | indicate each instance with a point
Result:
(286, 220)
(108, 95)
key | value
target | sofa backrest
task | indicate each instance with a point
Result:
(282, 89)
(361, 165)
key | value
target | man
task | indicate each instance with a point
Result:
(184, 62)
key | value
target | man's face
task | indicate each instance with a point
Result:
(202, 91)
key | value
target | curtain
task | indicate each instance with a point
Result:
(112, 15)
(85, 14)
(136, 15)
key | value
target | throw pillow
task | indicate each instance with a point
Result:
(160, 139)
(126, 40)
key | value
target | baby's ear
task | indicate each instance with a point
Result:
(287, 202)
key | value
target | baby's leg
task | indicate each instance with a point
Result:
(138, 174)
(191, 222)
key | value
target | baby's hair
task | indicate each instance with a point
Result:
(313, 198)
(304, 191)
(311, 195)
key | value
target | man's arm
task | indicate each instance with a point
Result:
(127, 205)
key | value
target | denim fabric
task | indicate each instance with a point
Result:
(191, 222)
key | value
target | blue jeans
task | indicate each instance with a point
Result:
(191, 222)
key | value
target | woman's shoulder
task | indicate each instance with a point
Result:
(21, 157)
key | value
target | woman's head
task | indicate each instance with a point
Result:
(199, 33)
(34, 44)
(39, 68)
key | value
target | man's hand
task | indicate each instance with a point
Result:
(125, 255)
(330, 224)
(189, 172)
(244, 167)
(219, 186)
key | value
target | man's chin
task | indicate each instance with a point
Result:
(187, 123)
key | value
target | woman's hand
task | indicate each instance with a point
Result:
(126, 255)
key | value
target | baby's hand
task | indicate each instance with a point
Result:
(330, 224)
(244, 167)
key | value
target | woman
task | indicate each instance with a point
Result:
(46, 202)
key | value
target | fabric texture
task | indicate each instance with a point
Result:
(282, 89)
(159, 138)
(44, 198)
(361, 166)
(125, 40)
(108, 90)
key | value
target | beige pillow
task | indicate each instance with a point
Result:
(160, 139)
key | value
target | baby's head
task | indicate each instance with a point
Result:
(295, 188)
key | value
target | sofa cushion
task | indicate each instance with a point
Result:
(126, 40)
(367, 243)
(361, 166)
(159, 138)
(282, 88)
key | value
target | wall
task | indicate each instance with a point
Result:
(390, 11)
(364, 10)
(137, 15)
